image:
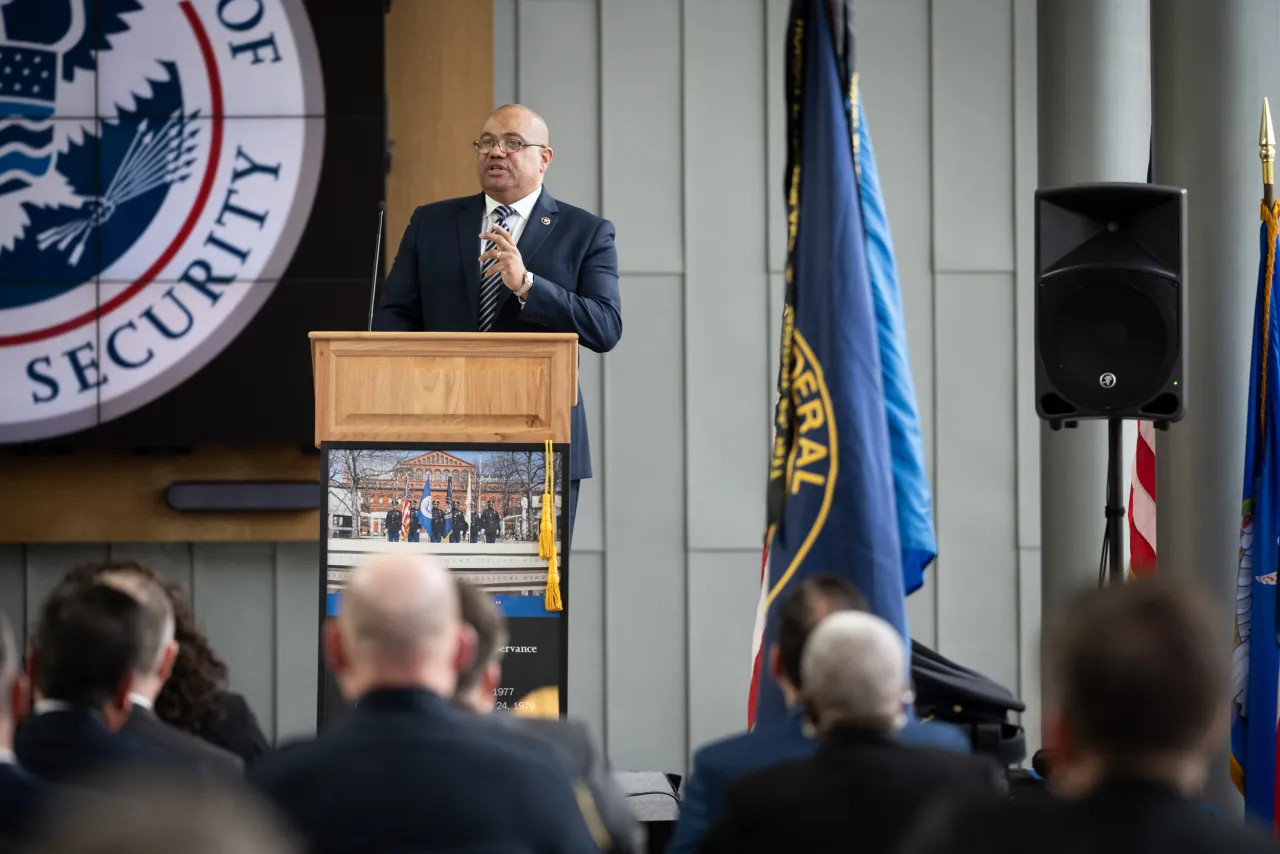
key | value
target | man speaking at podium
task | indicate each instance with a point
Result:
(510, 259)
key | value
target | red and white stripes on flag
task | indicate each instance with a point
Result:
(1142, 503)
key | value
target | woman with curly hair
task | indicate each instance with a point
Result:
(195, 698)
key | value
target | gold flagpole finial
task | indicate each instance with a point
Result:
(1267, 153)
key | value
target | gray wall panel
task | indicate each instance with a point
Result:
(724, 588)
(47, 564)
(640, 76)
(1029, 630)
(645, 515)
(1026, 179)
(972, 106)
(777, 298)
(922, 611)
(775, 50)
(233, 592)
(726, 291)
(586, 640)
(977, 574)
(172, 560)
(588, 533)
(558, 65)
(894, 82)
(297, 638)
(13, 588)
(504, 52)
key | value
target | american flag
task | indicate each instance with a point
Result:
(1142, 503)
(406, 508)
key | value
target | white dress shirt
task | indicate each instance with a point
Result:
(139, 700)
(45, 706)
(515, 222)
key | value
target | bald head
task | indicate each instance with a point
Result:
(854, 668)
(399, 610)
(513, 152)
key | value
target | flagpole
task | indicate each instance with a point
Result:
(1267, 153)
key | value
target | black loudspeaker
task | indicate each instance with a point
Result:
(1111, 264)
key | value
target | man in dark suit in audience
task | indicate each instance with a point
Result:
(717, 763)
(616, 829)
(22, 796)
(862, 789)
(510, 259)
(406, 770)
(86, 646)
(1138, 692)
(155, 663)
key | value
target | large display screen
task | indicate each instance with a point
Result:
(187, 187)
(479, 512)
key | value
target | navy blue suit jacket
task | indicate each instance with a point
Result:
(72, 746)
(406, 771)
(434, 284)
(721, 761)
(22, 798)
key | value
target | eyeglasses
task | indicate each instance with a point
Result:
(507, 146)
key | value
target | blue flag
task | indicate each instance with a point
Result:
(424, 507)
(1256, 662)
(448, 509)
(832, 503)
(910, 481)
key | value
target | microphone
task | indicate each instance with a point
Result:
(377, 263)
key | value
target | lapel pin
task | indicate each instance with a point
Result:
(546, 220)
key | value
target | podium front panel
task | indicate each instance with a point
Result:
(476, 508)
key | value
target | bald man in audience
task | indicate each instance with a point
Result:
(1138, 690)
(862, 789)
(407, 770)
(715, 764)
(156, 656)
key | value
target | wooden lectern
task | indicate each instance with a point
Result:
(436, 443)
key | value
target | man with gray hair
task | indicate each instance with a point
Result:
(435, 777)
(861, 785)
(156, 656)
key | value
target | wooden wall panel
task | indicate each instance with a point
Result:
(118, 496)
(440, 73)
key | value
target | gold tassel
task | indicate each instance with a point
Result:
(547, 534)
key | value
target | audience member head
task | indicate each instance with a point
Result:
(1137, 683)
(148, 816)
(87, 646)
(813, 599)
(13, 685)
(854, 670)
(399, 627)
(509, 176)
(191, 697)
(159, 649)
(476, 683)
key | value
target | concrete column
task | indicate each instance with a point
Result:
(1094, 125)
(1211, 66)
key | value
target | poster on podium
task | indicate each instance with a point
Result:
(476, 509)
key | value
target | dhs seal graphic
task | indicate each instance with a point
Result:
(151, 193)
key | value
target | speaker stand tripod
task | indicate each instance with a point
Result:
(1112, 565)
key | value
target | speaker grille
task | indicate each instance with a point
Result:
(1108, 338)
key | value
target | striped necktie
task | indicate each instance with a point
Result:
(491, 286)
